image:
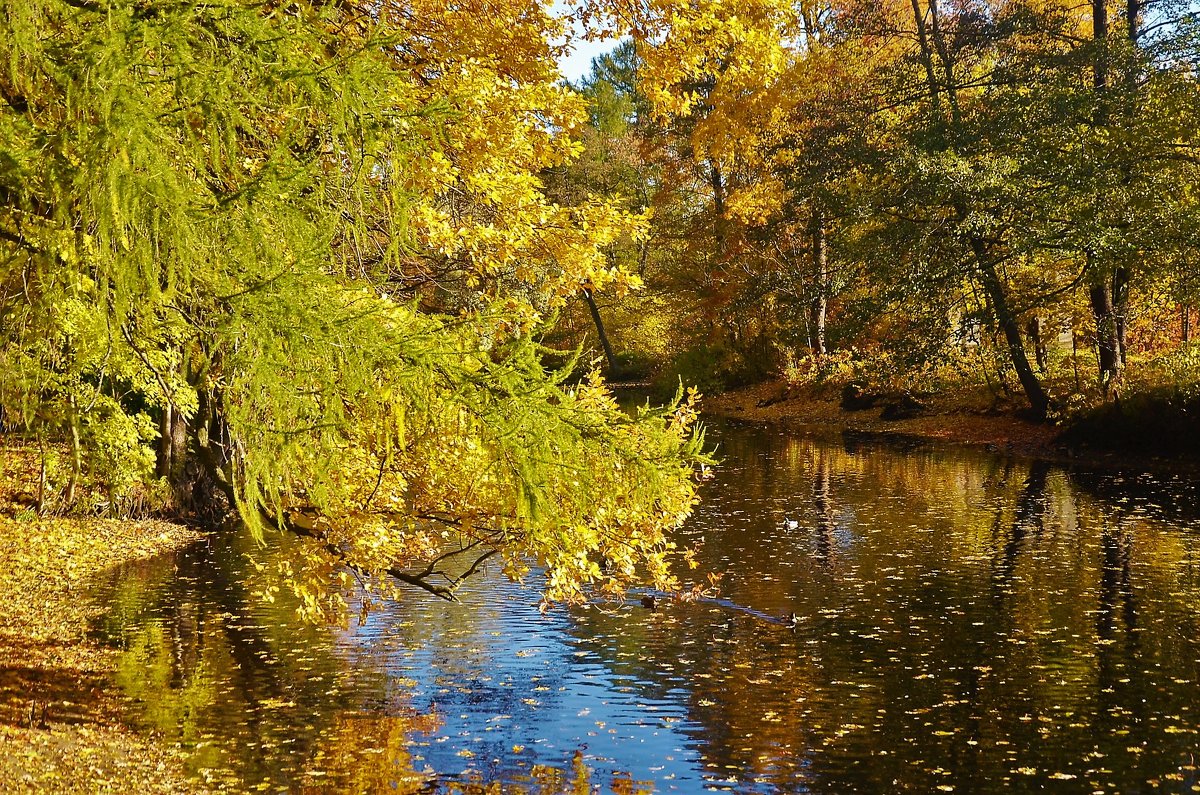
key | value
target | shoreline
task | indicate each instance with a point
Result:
(60, 718)
(949, 422)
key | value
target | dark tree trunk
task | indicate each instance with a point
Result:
(1034, 329)
(1108, 345)
(76, 452)
(939, 42)
(197, 460)
(1185, 330)
(720, 233)
(609, 356)
(1075, 357)
(1133, 19)
(926, 57)
(1039, 401)
(820, 263)
(1100, 65)
(1120, 291)
(718, 189)
(1100, 289)
(1110, 324)
(172, 445)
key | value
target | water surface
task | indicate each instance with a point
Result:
(966, 623)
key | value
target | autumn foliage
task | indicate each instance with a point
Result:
(294, 261)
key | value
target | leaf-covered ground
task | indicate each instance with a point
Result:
(58, 720)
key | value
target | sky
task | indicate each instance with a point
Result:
(579, 62)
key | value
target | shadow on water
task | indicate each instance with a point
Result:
(964, 623)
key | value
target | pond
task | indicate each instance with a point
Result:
(965, 623)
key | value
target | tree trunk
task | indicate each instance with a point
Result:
(1108, 345)
(820, 262)
(1100, 288)
(1034, 329)
(1109, 299)
(1185, 330)
(1100, 65)
(939, 41)
(1075, 357)
(720, 233)
(926, 57)
(1109, 329)
(76, 452)
(609, 356)
(42, 473)
(198, 460)
(173, 454)
(1120, 291)
(1133, 19)
(1039, 401)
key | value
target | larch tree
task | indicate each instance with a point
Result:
(292, 260)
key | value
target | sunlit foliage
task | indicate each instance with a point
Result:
(955, 183)
(295, 258)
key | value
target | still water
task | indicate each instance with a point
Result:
(966, 623)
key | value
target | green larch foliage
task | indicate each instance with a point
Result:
(207, 223)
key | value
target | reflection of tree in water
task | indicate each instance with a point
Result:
(1172, 498)
(247, 686)
(956, 634)
(1029, 514)
(823, 502)
(1118, 696)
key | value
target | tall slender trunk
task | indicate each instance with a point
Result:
(1185, 326)
(927, 58)
(76, 451)
(1133, 19)
(1039, 401)
(1075, 357)
(1108, 345)
(42, 473)
(609, 356)
(1107, 286)
(717, 182)
(1120, 292)
(939, 42)
(820, 263)
(1100, 38)
(1034, 329)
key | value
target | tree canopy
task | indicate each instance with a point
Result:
(936, 180)
(296, 259)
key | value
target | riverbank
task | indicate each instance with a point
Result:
(59, 721)
(953, 419)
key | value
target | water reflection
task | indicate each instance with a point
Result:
(964, 623)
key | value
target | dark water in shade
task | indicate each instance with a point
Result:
(966, 624)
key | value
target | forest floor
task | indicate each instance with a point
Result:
(60, 728)
(955, 418)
